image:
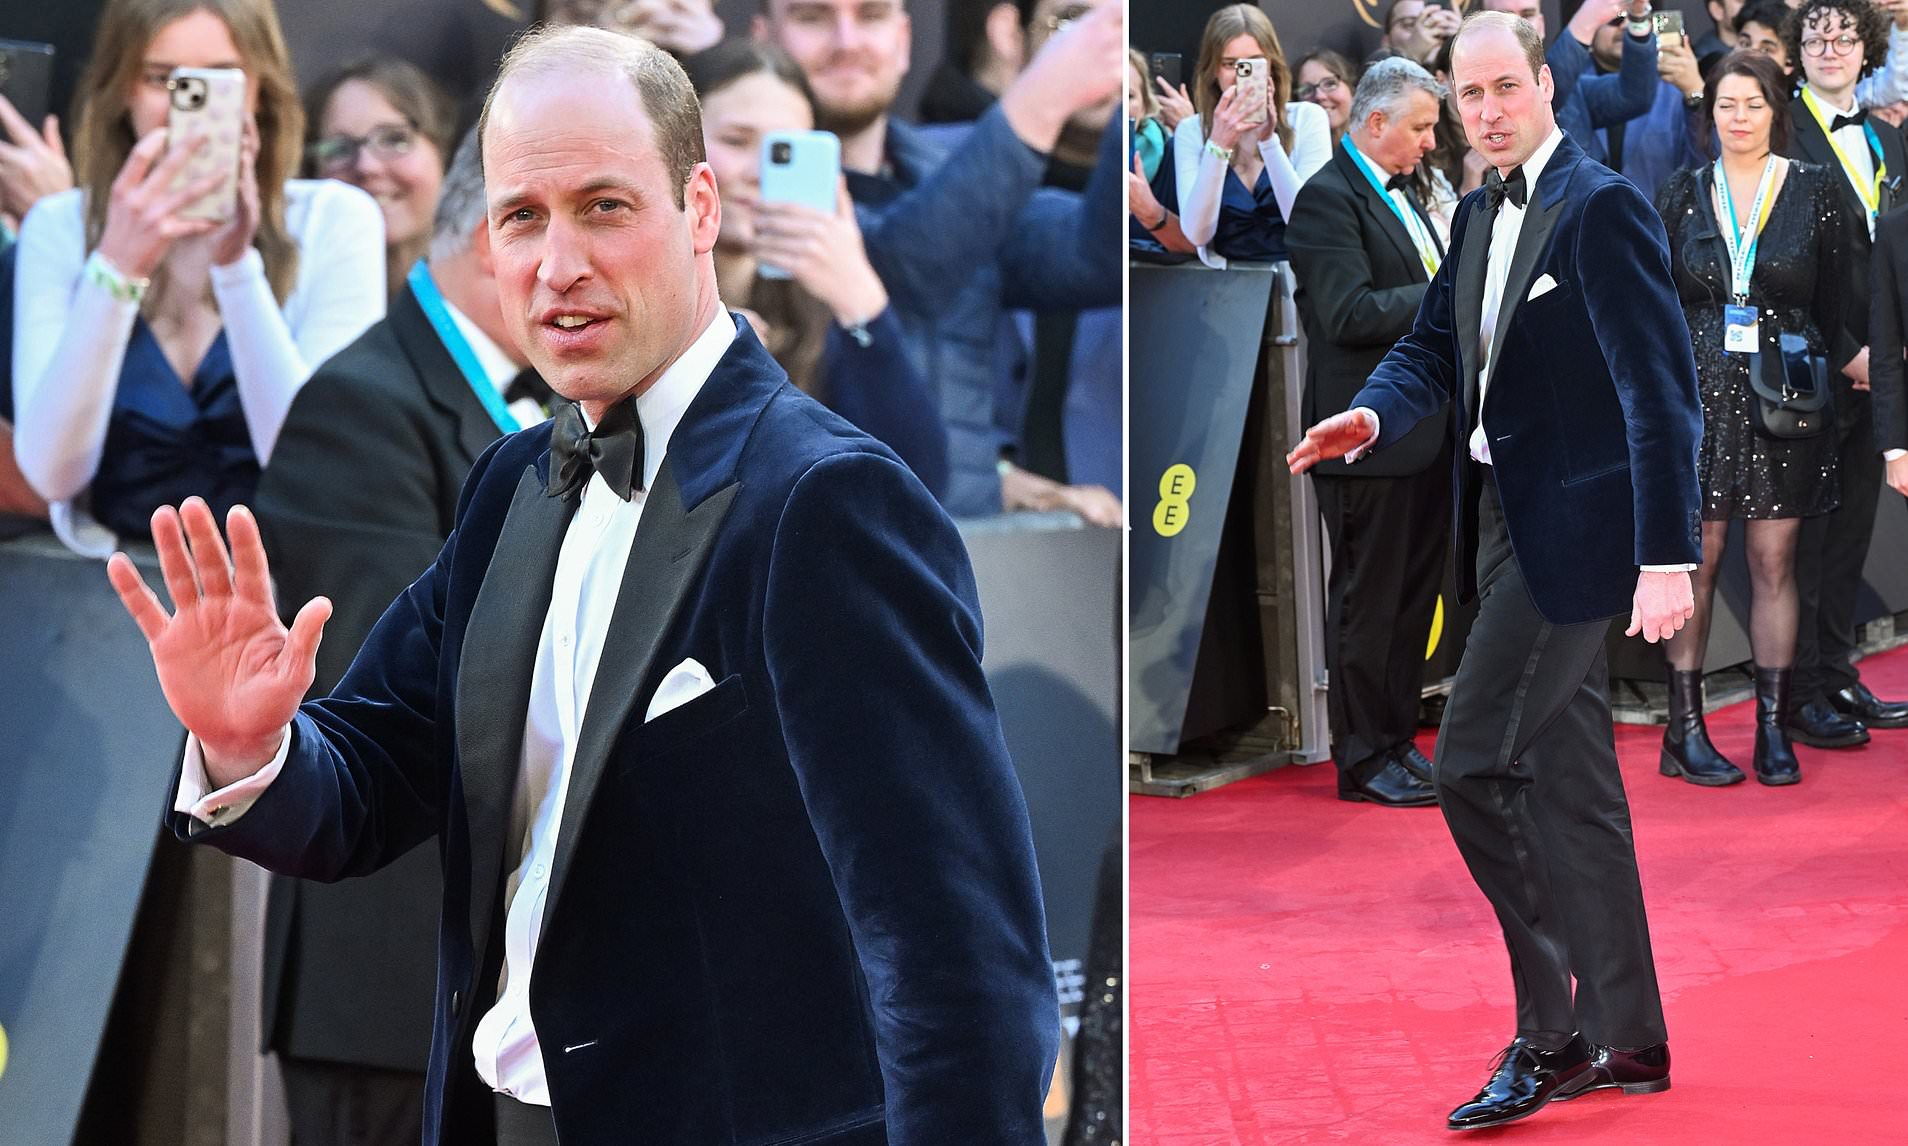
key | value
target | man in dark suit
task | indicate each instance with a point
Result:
(1838, 42)
(1554, 332)
(1888, 329)
(1364, 251)
(691, 700)
(357, 499)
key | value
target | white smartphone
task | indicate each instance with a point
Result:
(208, 104)
(1250, 76)
(799, 167)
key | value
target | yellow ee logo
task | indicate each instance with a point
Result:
(3, 1050)
(1175, 494)
(1437, 629)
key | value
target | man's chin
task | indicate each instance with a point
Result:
(851, 117)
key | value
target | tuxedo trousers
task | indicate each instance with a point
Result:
(1389, 536)
(523, 1123)
(1527, 779)
(1831, 553)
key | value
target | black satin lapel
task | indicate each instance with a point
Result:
(665, 559)
(1473, 263)
(1379, 207)
(1539, 222)
(493, 679)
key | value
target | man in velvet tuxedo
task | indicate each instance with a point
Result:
(691, 702)
(358, 497)
(1364, 251)
(1832, 708)
(1554, 333)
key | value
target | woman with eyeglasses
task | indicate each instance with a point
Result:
(156, 352)
(382, 124)
(1328, 80)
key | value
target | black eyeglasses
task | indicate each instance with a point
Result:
(337, 154)
(1843, 45)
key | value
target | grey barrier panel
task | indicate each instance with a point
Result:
(88, 751)
(1194, 341)
(1050, 602)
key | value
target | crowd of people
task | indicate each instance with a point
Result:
(1770, 143)
(333, 351)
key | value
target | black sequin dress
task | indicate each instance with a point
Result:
(1799, 287)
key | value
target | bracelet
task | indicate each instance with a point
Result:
(116, 282)
(1640, 29)
(1165, 217)
(859, 332)
(1224, 153)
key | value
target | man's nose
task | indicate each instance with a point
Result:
(565, 259)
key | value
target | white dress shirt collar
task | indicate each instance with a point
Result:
(496, 364)
(1539, 159)
(661, 407)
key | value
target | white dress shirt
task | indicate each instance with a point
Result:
(1853, 141)
(589, 575)
(497, 366)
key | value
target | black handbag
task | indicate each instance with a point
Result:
(1791, 387)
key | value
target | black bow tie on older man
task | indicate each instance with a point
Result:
(1497, 189)
(614, 449)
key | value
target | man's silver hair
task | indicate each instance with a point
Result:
(1386, 84)
(460, 202)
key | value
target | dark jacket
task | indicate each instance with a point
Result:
(1888, 330)
(359, 496)
(802, 907)
(1808, 142)
(1360, 283)
(1594, 416)
(962, 234)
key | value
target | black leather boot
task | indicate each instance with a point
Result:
(1687, 751)
(1775, 757)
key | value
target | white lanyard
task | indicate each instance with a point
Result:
(1742, 239)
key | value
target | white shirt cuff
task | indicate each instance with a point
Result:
(1367, 445)
(1891, 455)
(1668, 568)
(217, 809)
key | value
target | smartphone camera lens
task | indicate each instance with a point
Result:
(780, 152)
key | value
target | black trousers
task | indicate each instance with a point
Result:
(523, 1124)
(1388, 538)
(339, 1104)
(1830, 555)
(1527, 778)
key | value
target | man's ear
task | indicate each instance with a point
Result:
(703, 205)
(1006, 39)
(480, 246)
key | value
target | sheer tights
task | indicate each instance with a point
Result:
(1773, 602)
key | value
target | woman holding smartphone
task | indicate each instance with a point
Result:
(1239, 165)
(1756, 245)
(829, 324)
(156, 352)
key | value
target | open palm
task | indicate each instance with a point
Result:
(232, 672)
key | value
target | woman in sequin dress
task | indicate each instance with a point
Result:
(1796, 286)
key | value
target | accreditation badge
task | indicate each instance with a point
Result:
(1739, 330)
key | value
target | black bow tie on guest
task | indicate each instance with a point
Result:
(614, 449)
(529, 384)
(1399, 183)
(1842, 121)
(1497, 188)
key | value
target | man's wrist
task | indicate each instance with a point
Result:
(237, 761)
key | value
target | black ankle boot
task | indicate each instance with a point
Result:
(1775, 756)
(1687, 751)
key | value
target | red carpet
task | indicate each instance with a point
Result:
(1307, 970)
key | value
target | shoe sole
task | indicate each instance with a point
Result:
(1361, 798)
(1654, 1086)
(1812, 741)
(1874, 724)
(1667, 765)
(1779, 781)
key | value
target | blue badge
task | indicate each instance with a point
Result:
(1739, 330)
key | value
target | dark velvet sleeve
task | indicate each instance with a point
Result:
(878, 389)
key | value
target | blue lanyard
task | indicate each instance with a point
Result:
(1414, 227)
(461, 352)
(1742, 240)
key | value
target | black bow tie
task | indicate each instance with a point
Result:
(529, 384)
(1842, 121)
(1497, 189)
(614, 449)
(1399, 183)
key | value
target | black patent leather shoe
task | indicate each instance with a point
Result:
(1415, 762)
(1819, 726)
(1874, 712)
(1642, 1071)
(1390, 786)
(1524, 1080)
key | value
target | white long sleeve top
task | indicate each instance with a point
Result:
(1201, 175)
(70, 335)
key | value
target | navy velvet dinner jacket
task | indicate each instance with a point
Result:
(1593, 413)
(801, 907)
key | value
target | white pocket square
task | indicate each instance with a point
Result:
(684, 683)
(1543, 286)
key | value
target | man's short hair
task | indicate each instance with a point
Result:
(1527, 37)
(1385, 85)
(1391, 14)
(460, 201)
(1771, 14)
(675, 117)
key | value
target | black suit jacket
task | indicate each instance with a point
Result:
(1360, 281)
(360, 493)
(1808, 142)
(801, 907)
(1887, 326)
